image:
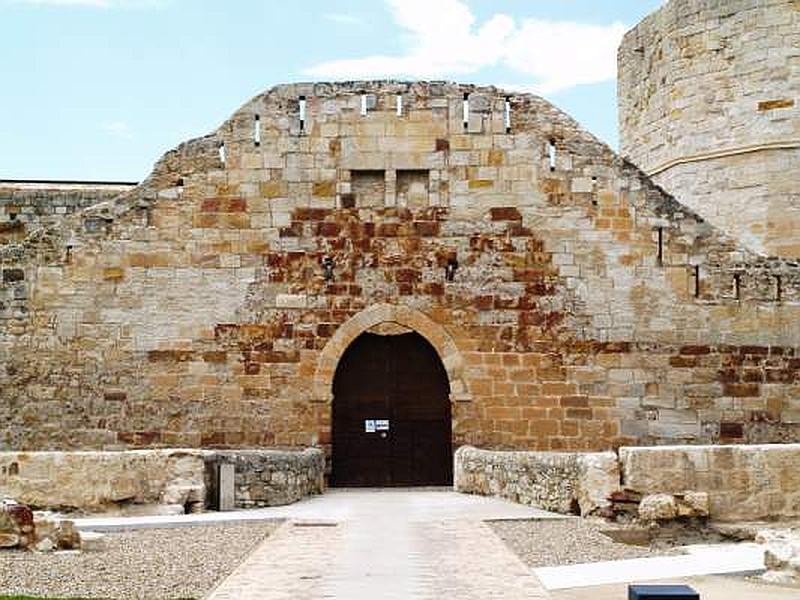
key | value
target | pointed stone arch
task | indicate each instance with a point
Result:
(400, 315)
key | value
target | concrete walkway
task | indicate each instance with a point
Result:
(387, 544)
(337, 505)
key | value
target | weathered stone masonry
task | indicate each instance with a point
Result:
(194, 310)
(709, 106)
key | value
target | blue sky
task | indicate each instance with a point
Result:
(99, 89)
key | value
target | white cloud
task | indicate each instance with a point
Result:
(118, 129)
(444, 40)
(344, 19)
(562, 54)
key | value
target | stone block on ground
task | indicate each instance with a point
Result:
(92, 541)
(781, 555)
(658, 507)
(54, 533)
(16, 524)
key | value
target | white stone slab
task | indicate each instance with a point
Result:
(700, 560)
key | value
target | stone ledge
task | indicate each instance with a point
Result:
(268, 477)
(564, 482)
(113, 480)
(744, 482)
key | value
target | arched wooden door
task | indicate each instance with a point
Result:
(391, 414)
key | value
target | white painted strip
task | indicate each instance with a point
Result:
(701, 560)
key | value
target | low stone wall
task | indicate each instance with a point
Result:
(742, 481)
(101, 480)
(564, 482)
(269, 477)
(179, 478)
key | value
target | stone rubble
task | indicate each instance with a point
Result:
(781, 555)
(41, 531)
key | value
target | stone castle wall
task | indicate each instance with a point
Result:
(26, 205)
(588, 309)
(709, 106)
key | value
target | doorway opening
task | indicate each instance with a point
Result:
(391, 414)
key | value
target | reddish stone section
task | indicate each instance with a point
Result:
(16, 525)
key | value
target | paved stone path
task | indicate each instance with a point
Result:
(390, 545)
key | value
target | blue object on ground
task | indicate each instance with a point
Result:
(662, 592)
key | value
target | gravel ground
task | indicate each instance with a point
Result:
(150, 564)
(549, 543)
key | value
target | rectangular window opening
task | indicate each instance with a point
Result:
(551, 153)
(737, 286)
(778, 288)
(660, 257)
(465, 109)
(302, 113)
(257, 131)
(413, 188)
(399, 104)
(368, 188)
(697, 281)
(507, 115)
(222, 152)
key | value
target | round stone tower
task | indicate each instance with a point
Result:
(709, 107)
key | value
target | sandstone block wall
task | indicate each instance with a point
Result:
(26, 205)
(709, 106)
(269, 477)
(588, 309)
(743, 482)
(564, 482)
(102, 480)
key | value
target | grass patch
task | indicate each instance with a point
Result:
(41, 598)
(38, 598)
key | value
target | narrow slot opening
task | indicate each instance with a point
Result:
(399, 104)
(737, 286)
(551, 153)
(257, 131)
(465, 111)
(222, 152)
(778, 288)
(660, 246)
(697, 281)
(363, 105)
(302, 113)
(507, 115)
